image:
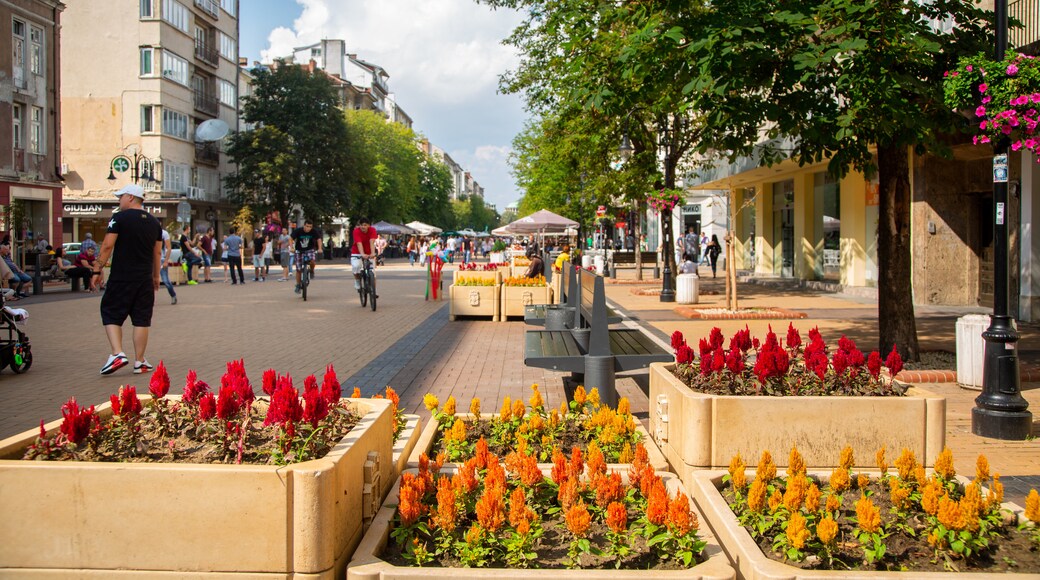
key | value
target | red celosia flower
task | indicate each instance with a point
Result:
(684, 355)
(894, 362)
(315, 408)
(794, 340)
(228, 403)
(126, 404)
(578, 519)
(491, 509)
(310, 383)
(609, 489)
(576, 466)
(409, 504)
(330, 387)
(755, 343)
(657, 504)
(159, 385)
(715, 338)
(718, 361)
(741, 340)
(77, 423)
(814, 334)
(482, 454)
(773, 361)
(840, 362)
(194, 388)
(559, 469)
(677, 339)
(269, 382)
(207, 407)
(680, 518)
(285, 408)
(874, 364)
(735, 361)
(703, 347)
(617, 517)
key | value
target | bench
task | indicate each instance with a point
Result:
(626, 259)
(566, 314)
(41, 274)
(593, 353)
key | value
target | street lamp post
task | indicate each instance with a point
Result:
(141, 168)
(1000, 411)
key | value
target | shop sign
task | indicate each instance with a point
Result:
(96, 210)
(692, 209)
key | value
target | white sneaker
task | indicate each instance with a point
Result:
(143, 366)
(114, 363)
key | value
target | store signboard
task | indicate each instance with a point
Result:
(104, 210)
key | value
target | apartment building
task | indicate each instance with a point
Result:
(30, 143)
(134, 91)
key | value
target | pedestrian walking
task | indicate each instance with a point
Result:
(133, 243)
(285, 251)
(268, 255)
(206, 246)
(188, 256)
(413, 250)
(712, 251)
(223, 257)
(259, 245)
(234, 252)
(164, 265)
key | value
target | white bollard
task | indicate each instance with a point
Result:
(686, 288)
(971, 348)
(586, 261)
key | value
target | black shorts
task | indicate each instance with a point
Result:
(133, 299)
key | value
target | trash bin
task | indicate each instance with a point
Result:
(686, 288)
(598, 261)
(971, 349)
(586, 261)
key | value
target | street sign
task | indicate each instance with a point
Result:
(121, 164)
(601, 211)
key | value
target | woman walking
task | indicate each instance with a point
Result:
(713, 250)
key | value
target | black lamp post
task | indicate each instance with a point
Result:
(1000, 411)
(140, 167)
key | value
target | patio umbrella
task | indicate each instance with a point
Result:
(387, 228)
(540, 222)
(424, 229)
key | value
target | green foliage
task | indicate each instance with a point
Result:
(388, 184)
(433, 204)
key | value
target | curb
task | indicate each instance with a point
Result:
(772, 313)
(1028, 375)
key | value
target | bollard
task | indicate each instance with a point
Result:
(558, 317)
(599, 374)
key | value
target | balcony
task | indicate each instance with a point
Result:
(206, 53)
(1026, 39)
(207, 153)
(209, 7)
(206, 103)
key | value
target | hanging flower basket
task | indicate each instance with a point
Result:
(664, 199)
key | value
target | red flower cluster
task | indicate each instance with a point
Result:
(194, 388)
(332, 392)
(285, 409)
(816, 354)
(894, 362)
(159, 384)
(207, 407)
(683, 352)
(773, 361)
(77, 423)
(269, 382)
(126, 404)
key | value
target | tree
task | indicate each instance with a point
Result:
(433, 204)
(299, 153)
(388, 184)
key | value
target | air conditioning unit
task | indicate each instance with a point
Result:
(195, 192)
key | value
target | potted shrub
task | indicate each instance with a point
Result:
(535, 429)
(518, 292)
(529, 522)
(279, 485)
(892, 523)
(475, 294)
(751, 395)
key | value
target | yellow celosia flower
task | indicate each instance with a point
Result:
(847, 460)
(519, 409)
(905, 463)
(757, 495)
(899, 495)
(982, 469)
(930, 494)
(536, 422)
(736, 462)
(536, 398)
(593, 397)
(950, 515)
(944, 465)
(624, 407)
(881, 462)
(506, 412)
(833, 503)
(766, 470)
(579, 395)
(775, 500)
(1033, 506)
(797, 533)
(457, 432)
(840, 480)
(449, 406)
(920, 474)
(971, 506)
(996, 492)
(521, 447)
(547, 442)
(827, 530)
(868, 515)
(812, 499)
(626, 455)
(739, 479)
(794, 496)
(474, 407)
(563, 408)
(795, 463)
(862, 481)
(431, 402)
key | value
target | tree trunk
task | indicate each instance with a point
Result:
(896, 322)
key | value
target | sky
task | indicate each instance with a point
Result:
(444, 58)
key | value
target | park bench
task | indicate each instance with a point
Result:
(42, 273)
(628, 259)
(569, 315)
(592, 352)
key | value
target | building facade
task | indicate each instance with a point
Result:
(30, 140)
(135, 99)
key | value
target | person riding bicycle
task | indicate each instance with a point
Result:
(308, 243)
(362, 246)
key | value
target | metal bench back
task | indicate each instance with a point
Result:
(594, 312)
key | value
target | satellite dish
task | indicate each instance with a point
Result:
(211, 130)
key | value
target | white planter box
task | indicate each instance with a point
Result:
(515, 298)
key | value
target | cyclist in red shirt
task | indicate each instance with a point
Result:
(362, 246)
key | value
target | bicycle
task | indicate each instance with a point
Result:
(367, 292)
(305, 277)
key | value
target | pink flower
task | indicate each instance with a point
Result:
(986, 99)
(1035, 98)
(981, 111)
(1017, 145)
(969, 68)
(983, 86)
(1012, 70)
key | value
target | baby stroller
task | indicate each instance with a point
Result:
(15, 350)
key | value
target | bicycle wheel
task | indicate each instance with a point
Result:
(372, 289)
(363, 291)
(305, 280)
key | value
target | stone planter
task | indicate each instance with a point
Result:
(753, 564)
(67, 518)
(515, 298)
(475, 300)
(406, 443)
(367, 564)
(429, 433)
(699, 431)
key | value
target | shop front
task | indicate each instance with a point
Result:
(30, 213)
(91, 216)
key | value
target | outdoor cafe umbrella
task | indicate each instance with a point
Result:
(424, 229)
(387, 228)
(540, 222)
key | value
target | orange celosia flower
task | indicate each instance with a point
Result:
(827, 530)
(524, 527)
(950, 515)
(530, 474)
(680, 519)
(536, 401)
(862, 481)
(775, 500)
(409, 504)
(626, 454)
(833, 503)
(424, 475)
(617, 517)
(474, 407)
(1033, 506)
(812, 498)
(971, 507)
(795, 463)
(596, 461)
(438, 462)
(356, 394)
(506, 413)
(944, 465)
(657, 504)
(881, 462)
(578, 519)
(996, 492)
(449, 407)
(536, 422)
(840, 480)
(576, 466)
(869, 516)
(794, 495)
(495, 475)
(517, 507)
(457, 433)
(648, 480)
(431, 402)
(930, 494)
(579, 395)
(906, 463)
(766, 470)
(447, 512)
(568, 492)
(899, 495)
(559, 469)
(593, 397)
(513, 463)
(481, 453)
(474, 534)
(735, 463)
(491, 508)
(920, 474)
(757, 495)
(797, 533)
(982, 469)
(847, 459)
(519, 409)
(609, 488)
(639, 463)
(624, 407)
(467, 478)
(739, 479)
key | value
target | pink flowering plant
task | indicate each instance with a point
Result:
(1003, 97)
(749, 366)
(664, 199)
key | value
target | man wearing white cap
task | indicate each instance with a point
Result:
(134, 242)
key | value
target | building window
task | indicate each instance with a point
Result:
(175, 177)
(827, 223)
(178, 15)
(36, 50)
(229, 6)
(227, 93)
(36, 131)
(147, 60)
(147, 11)
(175, 68)
(18, 62)
(228, 47)
(147, 118)
(17, 116)
(174, 124)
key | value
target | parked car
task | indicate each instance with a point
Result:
(71, 250)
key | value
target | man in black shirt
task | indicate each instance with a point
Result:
(133, 243)
(188, 257)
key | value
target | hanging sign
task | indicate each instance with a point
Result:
(1000, 168)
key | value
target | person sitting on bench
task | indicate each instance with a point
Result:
(63, 267)
(537, 267)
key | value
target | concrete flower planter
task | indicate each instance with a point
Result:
(429, 433)
(515, 298)
(367, 564)
(406, 443)
(699, 431)
(71, 519)
(753, 564)
(475, 300)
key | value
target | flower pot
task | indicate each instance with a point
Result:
(473, 301)
(515, 298)
(429, 433)
(701, 431)
(367, 563)
(753, 564)
(67, 518)
(406, 443)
